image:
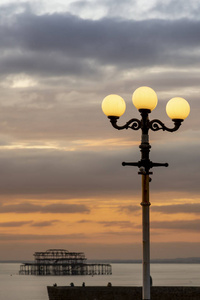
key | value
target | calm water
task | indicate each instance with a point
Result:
(21, 287)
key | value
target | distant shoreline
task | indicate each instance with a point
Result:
(188, 260)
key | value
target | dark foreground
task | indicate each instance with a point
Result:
(122, 293)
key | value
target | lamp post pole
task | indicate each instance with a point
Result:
(146, 237)
(145, 148)
(145, 100)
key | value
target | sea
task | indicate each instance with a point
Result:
(28, 287)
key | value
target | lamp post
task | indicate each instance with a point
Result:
(145, 100)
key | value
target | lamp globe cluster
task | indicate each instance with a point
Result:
(145, 98)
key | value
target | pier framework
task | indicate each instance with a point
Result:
(62, 262)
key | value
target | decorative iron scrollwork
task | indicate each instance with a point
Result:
(134, 124)
(156, 125)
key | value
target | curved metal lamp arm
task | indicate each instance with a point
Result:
(134, 124)
(156, 125)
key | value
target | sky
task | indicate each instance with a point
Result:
(62, 184)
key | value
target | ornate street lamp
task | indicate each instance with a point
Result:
(145, 100)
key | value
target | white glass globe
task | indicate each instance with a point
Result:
(178, 108)
(113, 105)
(145, 98)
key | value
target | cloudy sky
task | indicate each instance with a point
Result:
(61, 182)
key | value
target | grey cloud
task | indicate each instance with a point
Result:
(190, 208)
(44, 223)
(135, 9)
(35, 237)
(118, 233)
(182, 173)
(51, 208)
(20, 208)
(65, 208)
(71, 174)
(15, 224)
(43, 118)
(121, 224)
(185, 225)
(84, 221)
(176, 9)
(129, 208)
(31, 223)
(38, 115)
(50, 42)
(34, 63)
